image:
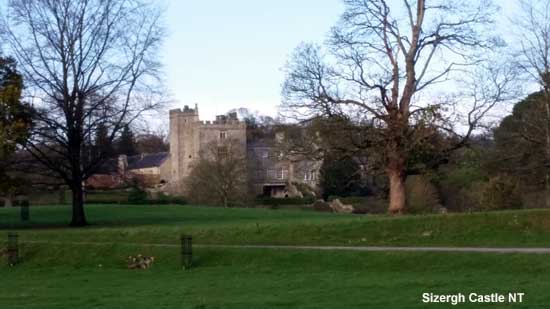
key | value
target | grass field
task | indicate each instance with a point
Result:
(164, 224)
(65, 275)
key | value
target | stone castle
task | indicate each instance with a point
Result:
(271, 171)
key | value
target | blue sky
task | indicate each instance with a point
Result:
(229, 54)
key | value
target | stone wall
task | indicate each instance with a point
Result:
(184, 145)
(188, 136)
(146, 177)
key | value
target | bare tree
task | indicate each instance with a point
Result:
(86, 64)
(533, 23)
(220, 175)
(380, 61)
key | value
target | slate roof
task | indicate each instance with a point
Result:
(146, 160)
(134, 162)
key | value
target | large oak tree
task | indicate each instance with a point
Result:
(379, 65)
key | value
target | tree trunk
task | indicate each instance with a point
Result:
(396, 170)
(397, 191)
(77, 180)
(547, 159)
(225, 201)
(79, 217)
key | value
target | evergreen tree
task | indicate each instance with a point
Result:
(14, 115)
(127, 142)
(151, 143)
(15, 120)
(520, 142)
(103, 146)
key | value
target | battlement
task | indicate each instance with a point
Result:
(186, 111)
(226, 123)
(191, 116)
(223, 120)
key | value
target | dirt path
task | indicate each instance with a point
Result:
(323, 248)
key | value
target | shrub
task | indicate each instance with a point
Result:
(422, 195)
(462, 199)
(322, 206)
(137, 196)
(106, 196)
(462, 180)
(306, 190)
(501, 192)
(134, 195)
(163, 198)
(271, 201)
(535, 199)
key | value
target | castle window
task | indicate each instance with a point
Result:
(223, 134)
(222, 152)
(309, 176)
(282, 174)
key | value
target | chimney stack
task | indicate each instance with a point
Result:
(122, 164)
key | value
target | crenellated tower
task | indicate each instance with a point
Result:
(188, 135)
(184, 144)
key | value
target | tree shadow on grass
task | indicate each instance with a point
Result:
(109, 216)
(66, 226)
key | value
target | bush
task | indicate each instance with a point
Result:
(306, 190)
(164, 198)
(271, 201)
(461, 182)
(106, 196)
(422, 195)
(501, 192)
(134, 196)
(322, 206)
(536, 199)
(459, 199)
(137, 196)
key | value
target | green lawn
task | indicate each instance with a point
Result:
(70, 277)
(95, 276)
(164, 224)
